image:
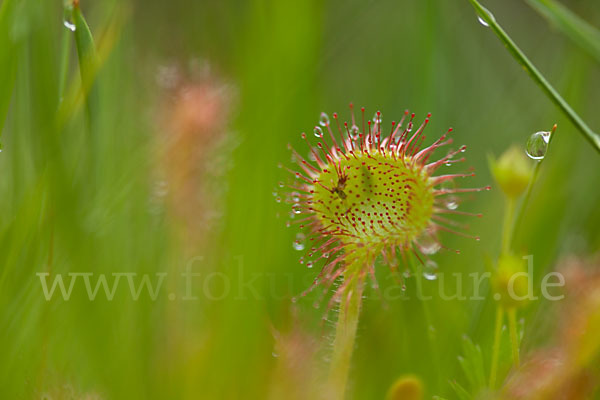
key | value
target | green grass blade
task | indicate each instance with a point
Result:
(88, 68)
(460, 391)
(574, 27)
(64, 62)
(7, 60)
(75, 95)
(473, 361)
(536, 75)
(88, 62)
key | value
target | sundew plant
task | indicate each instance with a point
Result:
(183, 215)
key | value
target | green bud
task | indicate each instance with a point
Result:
(512, 171)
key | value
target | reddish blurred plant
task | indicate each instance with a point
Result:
(298, 365)
(570, 369)
(193, 159)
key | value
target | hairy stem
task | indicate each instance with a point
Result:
(537, 76)
(514, 337)
(417, 270)
(345, 334)
(496, 346)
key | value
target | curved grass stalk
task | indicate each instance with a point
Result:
(536, 75)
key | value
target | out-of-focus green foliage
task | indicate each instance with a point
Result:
(577, 29)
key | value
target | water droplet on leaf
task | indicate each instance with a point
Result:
(318, 132)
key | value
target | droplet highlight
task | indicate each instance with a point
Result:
(428, 243)
(324, 119)
(482, 22)
(377, 118)
(298, 244)
(430, 270)
(537, 145)
(69, 26)
(354, 132)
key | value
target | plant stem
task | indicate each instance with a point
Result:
(514, 337)
(496, 346)
(523, 206)
(345, 334)
(507, 227)
(537, 77)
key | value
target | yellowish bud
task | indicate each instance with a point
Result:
(408, 387)
(512, 171)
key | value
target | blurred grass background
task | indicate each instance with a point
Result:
(78, 200)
